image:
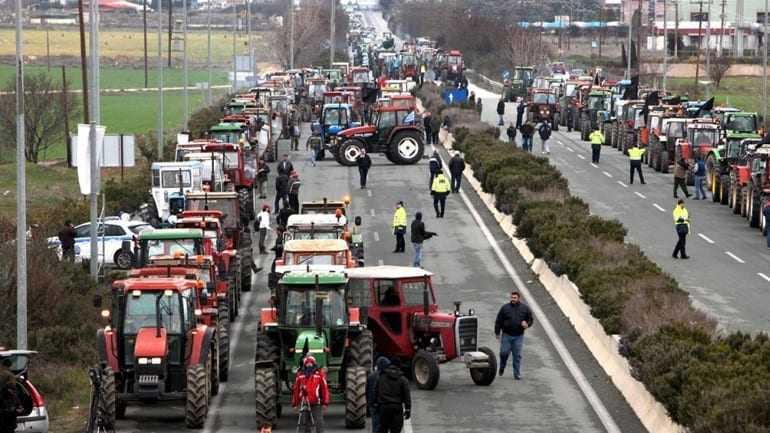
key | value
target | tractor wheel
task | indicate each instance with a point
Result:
(735, 200)
(197, 395)
(361, 349)
(711, 172)
(223, 329)
(246, 203)
(425, 370)
(724, 189)
(123, 259)
(389, 156)
(664, 162)
(109, 397)
(716, 188)
(266, 395)
(349, 150)
(267, 350)
(485, 376)
(355, 397)
(214, 368)
(247, 258)
(755, 210)
(745, 201)
(407, 147)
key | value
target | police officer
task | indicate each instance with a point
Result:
(682, 226)
(635, 158)
(440, 190)
(399, 227)
(597, 140)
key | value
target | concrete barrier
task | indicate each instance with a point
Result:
(567, 296)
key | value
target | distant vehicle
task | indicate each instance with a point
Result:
(112, 233)
(35, 417)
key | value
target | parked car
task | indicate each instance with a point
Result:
(34, 419)
(115, 231)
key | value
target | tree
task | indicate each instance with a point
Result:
(311, 34)
(43, 114)
(718, 69)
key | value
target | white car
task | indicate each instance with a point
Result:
(115, 231)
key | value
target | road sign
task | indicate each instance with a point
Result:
(109, 152)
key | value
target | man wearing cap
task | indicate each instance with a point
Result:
(310, 395)
(393, 398)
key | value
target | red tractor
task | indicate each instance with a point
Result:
(155, 349)
(454, 68)
(756, 193)
(405, 321)
(394, 131)
(240, 168)
(703, 136)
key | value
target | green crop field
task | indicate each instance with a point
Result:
(43, 184)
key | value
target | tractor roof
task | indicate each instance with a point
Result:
(388, 272)
(163, 262)
(309, 277)
(318, 219)
(154, 284)
(167, 271)
(742, 135)
(315, 246)
(210, 214)
(200, 195)
(227, 126)
(175, 165)
(170, 234)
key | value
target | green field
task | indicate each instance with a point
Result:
(43, 184)
(740, 92)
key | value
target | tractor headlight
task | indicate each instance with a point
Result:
(155, 361)
(143, 361)
(434, 341)
(471, 312)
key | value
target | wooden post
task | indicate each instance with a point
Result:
(83, 67)
(170, 28)
(67, 144)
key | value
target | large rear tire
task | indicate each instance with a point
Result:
(406, 147)
(223, 330)
(664, 162)
(266, 395)
(197, 396)
(349, 151)
(425, 370)
(485, 376)
(735, 199)
(247, 258)
(355, 397)
(361, 350)
(246, 203)
(109, 397)
(755, 210)
(724, 189)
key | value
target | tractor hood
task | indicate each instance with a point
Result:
(151, 344)
(313, 344)
(359, 131)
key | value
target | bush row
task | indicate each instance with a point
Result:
(709, 382)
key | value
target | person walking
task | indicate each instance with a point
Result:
(67, 239)
(263, 225)
(427, 118)
(399, 227)
(456, 168)
(285, 167)
(501, 112)
(364, 162)
(262, 171)
(699, 178)
(294, 185)
(680, 177)
(512, 320)
(9, 400)
(766, 214)
(393, 398)
(419, 235)
(527, 131)
(682, 226)
(372, 405)
(597, 140)
(511, 133)
(435, 128)
(281, 190)
(310, 395)
(434, 165)
(545, 134)
(440, 190)
(520, 107)
(635, 160)
(294, 132)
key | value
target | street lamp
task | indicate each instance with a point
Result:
(292, 10)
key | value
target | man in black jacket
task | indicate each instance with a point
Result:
(500, 111)
(364, 163)
(281, 190)
(285, 167)
(372, 406)
(456, 168)
(513, 319)
(67, 238)
(427, 118)
(393, 398)
(419, 235)
(520, 113)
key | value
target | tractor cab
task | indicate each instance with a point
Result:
(240, 165)
(225, 202)
(408, 65)
(543, 106)
(740, 122)
(213, 172)
(228, 132)
(169, 243)
(170, 182)
(325, 206)
(454, 66)
(334, 118)
(183, 148)
(329, 254)
(703, 135)
(315, 226)
(360, 75)
(403, 314)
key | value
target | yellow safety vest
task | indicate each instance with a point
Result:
(681, 213)
(399, 218)
(596, 137)
(440, 184)
(635, 153)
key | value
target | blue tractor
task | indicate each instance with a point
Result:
(334, 118)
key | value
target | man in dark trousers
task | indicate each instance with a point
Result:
(67, 239)
(512, 320)
(294, 184)
(682, 227)
(635, 158)
(434, 165)
(440, 190)
(372, 406)
(520, 113)
(511, 133)
(364, 163)
(399, 227)
(435, 127)
(427, 118)
(456, 168)
(527, 132)
(285, 167)
(393, 398)
(419, 235)
(281, 190)
(500, 112)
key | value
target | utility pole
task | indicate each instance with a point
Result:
(764, 70)
(291, 34)
(160, 81)
(708, 50)
(333, 16)
(47, 47)
(65, 106)
(170, 28)
(738, 39)
(700, 41)
(628, 46)
(248, 35)
(601, 30)
(144, 22)
(21, 191)
(721, 28)
(208, 51)
(639, 39)
(93, 19)
(665, 45)
(676, 29)
(83, 64)
(184, 66)
(235, 59)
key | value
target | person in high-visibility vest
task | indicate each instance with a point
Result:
(399, 227)
(635, 157)
(682, 226)
(597, 140)
(439, 190)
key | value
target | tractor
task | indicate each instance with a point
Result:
(626, 125)
(335, 117)
(240, 166)
(309, 314)
(391, 132)
(328, 254)
(409, 68)
(756, 193)
(228, 132)
(170, 182)
(403, 315)
(519, 86)
(543, 106)
(662, 142)
(454, 68)
(703, 136)
(155, 349)
(598, 100)
(721, 161)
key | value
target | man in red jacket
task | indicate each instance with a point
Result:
(311, 396)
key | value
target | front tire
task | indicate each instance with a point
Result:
(197, 404)
(355, 398)
(349, 151)
(407, 147)
(485, 376)
(223, 329)
(360, 352)
(266, 395)
(425, 370)
(108, 400)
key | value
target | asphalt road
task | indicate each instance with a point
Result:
(465, 259)
(728, 274)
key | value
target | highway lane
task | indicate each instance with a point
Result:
(728, 274)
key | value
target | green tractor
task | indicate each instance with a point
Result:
(310, 315)
(519, 85)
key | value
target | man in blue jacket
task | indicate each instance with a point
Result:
(513, 319)
(372, 408)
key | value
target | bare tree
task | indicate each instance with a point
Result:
(718, 69)
(44, 113)
(311, 34)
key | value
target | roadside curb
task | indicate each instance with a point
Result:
(566, 294)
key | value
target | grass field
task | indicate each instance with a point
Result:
(740, 92)
(128, 45)
(43, 184)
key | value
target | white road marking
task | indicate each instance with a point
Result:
(594, 165)
(640, 194)
(559, 141)
(371, 211)
(585, 387)
(705, 238)
(376, 237)
(369, 192)
(380, 262)
(408, 425)
(622, 184)
(734, 257)
(571, 149)
(764, 277)
(581, 156)
(606, 173)
(657, 206)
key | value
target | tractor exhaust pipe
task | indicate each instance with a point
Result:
(319, 305)
(425, 300)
